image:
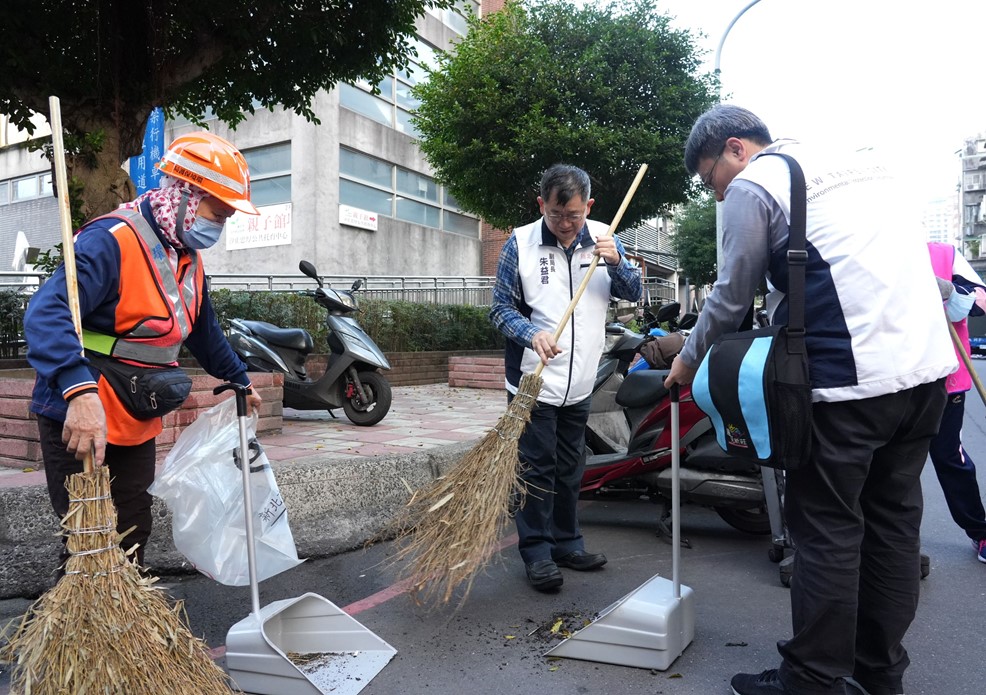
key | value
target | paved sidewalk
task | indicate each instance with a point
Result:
(421, 417)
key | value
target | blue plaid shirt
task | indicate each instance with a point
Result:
(508, 296)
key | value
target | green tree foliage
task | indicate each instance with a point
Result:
(694, 240)
(111, 62)
(604, 88)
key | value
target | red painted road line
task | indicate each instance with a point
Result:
(377, 599)
(403, 586)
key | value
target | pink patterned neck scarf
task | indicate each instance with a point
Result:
(165, 204)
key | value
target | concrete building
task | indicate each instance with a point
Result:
(941, 220)
(971, 196)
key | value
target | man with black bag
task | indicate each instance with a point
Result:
(142, 295)
(877, 360)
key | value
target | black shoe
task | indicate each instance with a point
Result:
(544, 575)
(581, 561)
(766, 683)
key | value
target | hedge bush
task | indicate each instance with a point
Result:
(394, 326)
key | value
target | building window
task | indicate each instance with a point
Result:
(393, 103)
(270, 174)
(455, 17)
(373, 184)
(25, 188)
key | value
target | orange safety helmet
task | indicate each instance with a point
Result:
(211, 163)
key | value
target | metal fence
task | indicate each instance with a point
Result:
(466, 290)
(20, 281)
(476, 290)
(471, 290)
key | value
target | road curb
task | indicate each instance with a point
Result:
(333, 506)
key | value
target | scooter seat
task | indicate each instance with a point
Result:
(641, 388)
(294, 338)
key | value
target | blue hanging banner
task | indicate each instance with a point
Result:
(142, 170)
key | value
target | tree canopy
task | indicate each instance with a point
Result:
(111, 62)
(604, 88)
(694, 240)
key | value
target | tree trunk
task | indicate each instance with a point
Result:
(105, 184)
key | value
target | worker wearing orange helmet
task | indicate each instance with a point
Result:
(142, 296)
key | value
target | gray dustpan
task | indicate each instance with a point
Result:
(651, 626)
(298, 646)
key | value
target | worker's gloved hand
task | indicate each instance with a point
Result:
(945, 287)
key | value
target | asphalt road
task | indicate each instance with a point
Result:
(495, 641)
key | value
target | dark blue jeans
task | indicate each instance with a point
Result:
(854, 513)
(552, 454)
(957, 471)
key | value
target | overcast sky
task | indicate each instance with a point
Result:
(907, 79)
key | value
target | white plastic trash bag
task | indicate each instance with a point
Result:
(202, 484)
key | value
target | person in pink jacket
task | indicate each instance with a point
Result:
(963, 295)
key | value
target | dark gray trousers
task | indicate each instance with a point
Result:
(854, 513)
(552, 453)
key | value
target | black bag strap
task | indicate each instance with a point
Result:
(797, 256)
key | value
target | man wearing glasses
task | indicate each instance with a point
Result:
(878, 356)
(541, 267)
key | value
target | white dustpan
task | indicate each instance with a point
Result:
(651, 626)
(298, 646)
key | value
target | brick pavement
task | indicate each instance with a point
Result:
(421, 417)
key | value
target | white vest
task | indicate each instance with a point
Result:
(549, 284)
(872, 272)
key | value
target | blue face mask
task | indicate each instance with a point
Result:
(203, 234)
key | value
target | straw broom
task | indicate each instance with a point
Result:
(451, 528)
(103, 628)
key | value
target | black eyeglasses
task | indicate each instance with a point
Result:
(570, 217)
(707, 181)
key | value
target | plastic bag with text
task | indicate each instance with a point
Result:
(202, 484)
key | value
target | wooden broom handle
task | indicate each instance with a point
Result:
(65, 220)
(960, 348)
(595, 260)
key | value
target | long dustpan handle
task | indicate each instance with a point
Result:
(595, 260)
(65, 223)
(241, 392)
(675, 491)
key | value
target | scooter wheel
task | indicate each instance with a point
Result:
(376, 407)
(753, 521)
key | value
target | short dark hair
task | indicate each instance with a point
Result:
(718, 124)
(567, 182)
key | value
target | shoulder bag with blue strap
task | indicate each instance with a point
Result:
(754, 385)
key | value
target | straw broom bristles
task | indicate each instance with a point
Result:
(103, 628)
(450, 529)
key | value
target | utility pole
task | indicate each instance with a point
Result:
(718, 72)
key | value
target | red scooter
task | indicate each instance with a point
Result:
(628, 440)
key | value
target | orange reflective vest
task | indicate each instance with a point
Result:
(157, 307)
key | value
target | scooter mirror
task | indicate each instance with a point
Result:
(668, 312)
(309, 270)
(688, 320)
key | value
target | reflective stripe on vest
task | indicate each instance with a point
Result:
(141, 350)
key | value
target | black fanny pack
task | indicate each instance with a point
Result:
(146, 392)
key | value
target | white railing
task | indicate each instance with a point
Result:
(432, 289)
